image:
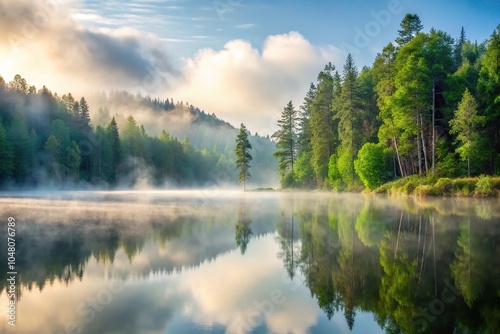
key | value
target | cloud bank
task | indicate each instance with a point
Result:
(41, 41)
(241, 84)
(46, 43)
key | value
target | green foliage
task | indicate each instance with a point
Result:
(484, 186)
(288, 180)
(345, 166)
(349, 116)
(464, 187)
(323, 129)
(408, 98)
(6, 154)
(22, 148)
(44, 138)
(465, 126)
(133, 139)
(334, 176)
(410, 26)
(243, 156)
(443, 186)
(370, 165)
(286, 138)
(304, 173)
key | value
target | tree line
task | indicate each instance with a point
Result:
(429, 106)
(47, 139)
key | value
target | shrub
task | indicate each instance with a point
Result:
(410, 186)
(443, 186)
(424, 190)
(288, 180)
(370, 165)
(465, 191)
(464, 187)
(484, 186)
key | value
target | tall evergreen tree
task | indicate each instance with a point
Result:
(457, 50)
(286, 138)
(22, 148)
(84, 116)
(304, 123)
(488, 88)
(410, 27)
(132, 138)
(349, 117)
(465, 126)
(304, 174)
(113, 138)
(439, 57)
(6, 154)
(322, 139)
(243, 156)
(384, 74)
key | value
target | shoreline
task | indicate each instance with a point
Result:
(479, 187)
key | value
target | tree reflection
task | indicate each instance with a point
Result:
(287, 237)
(411, 265)
(242, 227)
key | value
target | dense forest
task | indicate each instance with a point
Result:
(429, 106)
(47, 140)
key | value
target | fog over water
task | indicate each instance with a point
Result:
(216, 261)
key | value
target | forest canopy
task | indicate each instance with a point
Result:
(48, 140)
(429, 102)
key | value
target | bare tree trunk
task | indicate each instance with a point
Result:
(399, 233)
(434, 128)
(468, 166)
(399, 157)
(423, 145)
(419, 154)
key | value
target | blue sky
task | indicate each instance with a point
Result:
(188, 25)
(240, 59)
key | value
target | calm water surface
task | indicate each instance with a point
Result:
(228, 262)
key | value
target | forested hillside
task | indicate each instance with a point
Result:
(129, 140)
(428, 106)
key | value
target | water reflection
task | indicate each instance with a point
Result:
(241, 263)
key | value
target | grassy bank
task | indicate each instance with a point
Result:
(483, 186)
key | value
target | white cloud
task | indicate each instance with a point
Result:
(45, 43)
(241, 84)
(48, 44)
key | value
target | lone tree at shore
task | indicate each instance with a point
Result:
(243, 156)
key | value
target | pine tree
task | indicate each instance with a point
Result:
(113, 137)
(243, 156)
(488, 88)
(439, 58)
(322, 139)
(457, 51)
(84, 116)
(304, 136)
(304, 174)
(286, 138)
(410, 27)
(22, 148)
(349, 117)
(6, 154)
(465, 126)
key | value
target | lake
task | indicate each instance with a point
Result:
(210, 261)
